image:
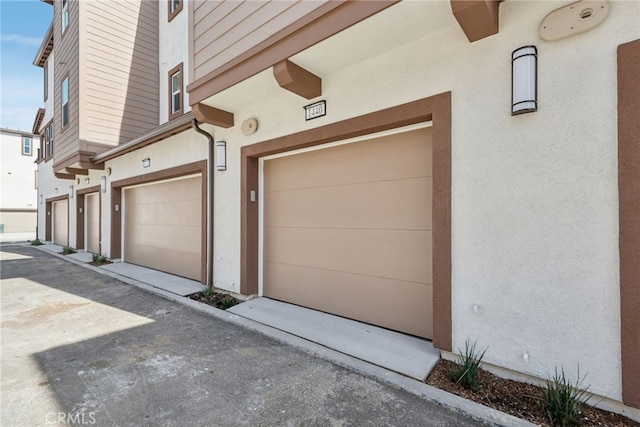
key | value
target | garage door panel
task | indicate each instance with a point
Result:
(381, 204)
(182, 263)
(163, 226)
(374, 300)
(186, 211)
(395, 254)
(348, 230)
(61, 222)
(92, 208)
(379, 159)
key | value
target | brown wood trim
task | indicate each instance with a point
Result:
(174, 70)
(80, 158)
(437, 109)
(61, 175)
(214, 116)
(80, 215)
(296, 79)
(76, 171)
(477, 18)
(629, 229)
(116, 199)
(173, 14)
(17, 210)
(47, 221)
(322, 23)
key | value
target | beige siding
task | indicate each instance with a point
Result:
(119, 70)
(225, 29)
(66, 52)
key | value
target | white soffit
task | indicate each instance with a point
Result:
(402, 23)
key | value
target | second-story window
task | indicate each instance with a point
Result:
(175, 92)
(65, 102)
(27, 145)
(175, 6)
(48, 141)
(65, 14)
(46, 80)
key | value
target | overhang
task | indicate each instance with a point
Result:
(45, 48)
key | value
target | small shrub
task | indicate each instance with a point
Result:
(209, 292)
(67, 250)
(228, 301)
(563, 401)
(36, 242)
(468, 366)
(99, 259)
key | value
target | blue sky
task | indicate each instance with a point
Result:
(23, 24)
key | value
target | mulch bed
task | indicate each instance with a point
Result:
(519, 399)
(219, 300)
(98, 264)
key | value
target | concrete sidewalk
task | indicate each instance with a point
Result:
(84, 347)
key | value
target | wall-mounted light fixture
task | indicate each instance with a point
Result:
(146, 162)
(103, 184)
(55, 190)
(221, 162)
(87, 180)
(524, 84)
(71, 191)
(41, 199)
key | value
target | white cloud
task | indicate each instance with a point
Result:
(21, 40)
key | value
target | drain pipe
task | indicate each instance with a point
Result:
(210, 172)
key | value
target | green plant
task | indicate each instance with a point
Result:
(209, 292)
(563, 401)
(99, 259)
(467, 367)
(68, 250)
(36, 242)
(228, 301)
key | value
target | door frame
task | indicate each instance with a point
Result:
(49, 221)
(80, 215)
(436, 109)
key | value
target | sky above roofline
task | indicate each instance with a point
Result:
(23, 24)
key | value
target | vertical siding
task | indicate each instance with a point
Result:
(119, 71)
(66, 64)
(225, 29)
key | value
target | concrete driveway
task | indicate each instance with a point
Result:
(83, 348)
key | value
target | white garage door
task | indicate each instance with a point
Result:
(92, 222)
(347, 230)
(60, 221)
(163, 226)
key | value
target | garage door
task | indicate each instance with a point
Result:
(92, 222)
(347, 230)
(60, 220)
(163, 226)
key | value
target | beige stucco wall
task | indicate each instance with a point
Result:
(534, 197)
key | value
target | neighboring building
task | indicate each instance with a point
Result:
(18, 185)
(415, 200)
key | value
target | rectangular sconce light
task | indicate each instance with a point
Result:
(87, 180)
(103, 184)
(221, 162)
(41, 199)
(524, 84)
(71, 191)
(146, 162)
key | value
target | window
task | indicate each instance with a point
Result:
(65, 102)
(175, 92)
(27, 145)
(48, 141)
(175, 6)
(46, 80)
(65, 14)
